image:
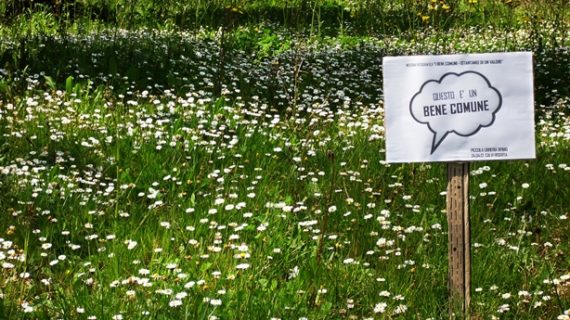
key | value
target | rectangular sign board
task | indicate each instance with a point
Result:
(465, 107)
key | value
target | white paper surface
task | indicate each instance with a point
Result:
(459, 107)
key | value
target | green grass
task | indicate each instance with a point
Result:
(69, 202)
(168, 174)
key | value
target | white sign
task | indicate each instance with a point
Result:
(459, 107)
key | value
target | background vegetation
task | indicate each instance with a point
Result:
(332, 16)
(225, 159)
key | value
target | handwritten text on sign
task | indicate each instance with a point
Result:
(459, 107)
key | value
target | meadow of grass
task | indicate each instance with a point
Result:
(239, 173)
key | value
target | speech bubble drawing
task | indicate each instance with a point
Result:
(461, 103)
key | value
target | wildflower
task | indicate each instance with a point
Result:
(401, 308)
(384, 293)
(144, 272)
(380, 307)
(131, 244)
(242, 266)
(27, 307)
(524, 293)
(216, 302)
(503, 308)
(293, 273)
(175, 303)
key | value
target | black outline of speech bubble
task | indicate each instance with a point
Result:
(433, 148)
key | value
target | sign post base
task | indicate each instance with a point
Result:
(459, 238)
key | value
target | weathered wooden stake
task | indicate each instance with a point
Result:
(459, 239)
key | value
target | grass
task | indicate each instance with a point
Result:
(166, 174)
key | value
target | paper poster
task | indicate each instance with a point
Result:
(459, 107)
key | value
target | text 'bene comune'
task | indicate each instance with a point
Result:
(456, 108)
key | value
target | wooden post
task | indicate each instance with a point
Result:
(459, 238)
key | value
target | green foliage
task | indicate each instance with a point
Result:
(110, 204)
(236, 169)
